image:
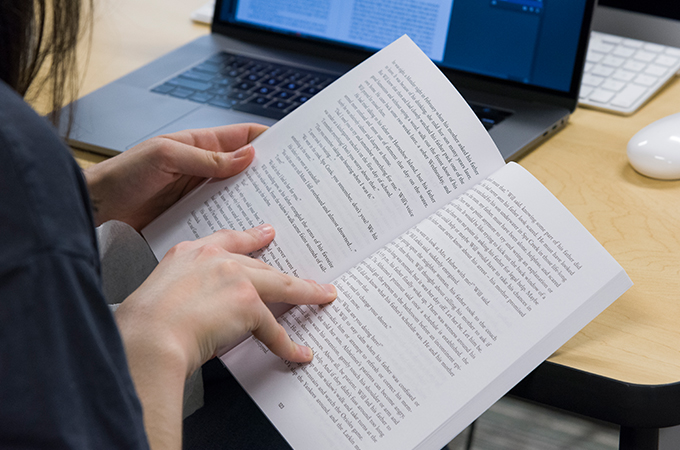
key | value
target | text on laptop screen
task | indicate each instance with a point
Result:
(528, 41)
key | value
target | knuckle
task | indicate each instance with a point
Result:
(181, 247)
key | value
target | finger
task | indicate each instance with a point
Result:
(274, 336)
(274, 286)
(226, 138)
(178, 157)
(242, 242)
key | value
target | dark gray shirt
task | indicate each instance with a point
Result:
(64, 381)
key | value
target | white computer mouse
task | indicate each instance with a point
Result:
(654, 151)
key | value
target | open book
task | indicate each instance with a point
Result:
(457, 274)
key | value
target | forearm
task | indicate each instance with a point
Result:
(158, 371)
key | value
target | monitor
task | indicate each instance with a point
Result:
(654, 21)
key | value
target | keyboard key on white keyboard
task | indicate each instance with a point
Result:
(672, 51)
(645, 56)
(628, 96)
(634, 43)
(602, 47)
(585, 91)
(592, 80)
(633, 65)
(608, 38)
(623, 75)
(665, 60)
(623, 52)
(656, 48)
(613, 85)
(601, 96)
(655, 70)
(594, 57)
(602, 71)
(613, 61)
(646, 80)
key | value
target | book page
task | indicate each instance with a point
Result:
(361, 162)
(432, 329)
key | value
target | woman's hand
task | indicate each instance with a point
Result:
(142, 182)
(201, 298)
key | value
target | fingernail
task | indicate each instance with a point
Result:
(330, 289)
(265, 229)
(243, 151)
(307, 353)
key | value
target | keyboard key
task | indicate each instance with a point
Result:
(623, 52)
(279, 105)
(642, 55)
(291, 86)
(633, 65)
(163, 88)
(634, 43)
(671, 51)
(613, 61)
(201, 97)
(272, 113)
(311, 90)
(259, 100)
(221, 102)
(602, 71)
(594, 57)
(585, 91)
(602, 47)
(645, 80)
(665, 60)
(601, 96)
(655, 48)
(265, 90)
(623, 75)
(628, 96)
(613, 85)
(285, 95)
(208, 67)
(198, 76)
(592, 80)
(655, 70)
(181, 92)
(190, 84)
(239, 95)
(244, 86)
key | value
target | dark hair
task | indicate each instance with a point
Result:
(38, 48)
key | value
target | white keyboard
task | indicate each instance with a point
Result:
(621, 74)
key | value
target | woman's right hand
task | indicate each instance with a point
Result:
(205, 294)
(202, 297)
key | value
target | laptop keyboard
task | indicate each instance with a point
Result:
(246, 84)
(621, 74)
(262, 88)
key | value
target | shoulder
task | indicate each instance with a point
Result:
(44, 204)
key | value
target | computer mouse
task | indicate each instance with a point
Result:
(654, 151)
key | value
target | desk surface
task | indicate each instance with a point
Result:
(637, 339)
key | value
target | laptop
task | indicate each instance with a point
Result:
(517, 62)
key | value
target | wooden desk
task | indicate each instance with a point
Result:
(625, 366)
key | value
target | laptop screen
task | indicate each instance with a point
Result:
(533, 42)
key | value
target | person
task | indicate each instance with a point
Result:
(72, 376)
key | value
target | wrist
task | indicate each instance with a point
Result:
(94, 179)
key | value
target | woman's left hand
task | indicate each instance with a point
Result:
(142, 182)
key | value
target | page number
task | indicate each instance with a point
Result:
(281, 406)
